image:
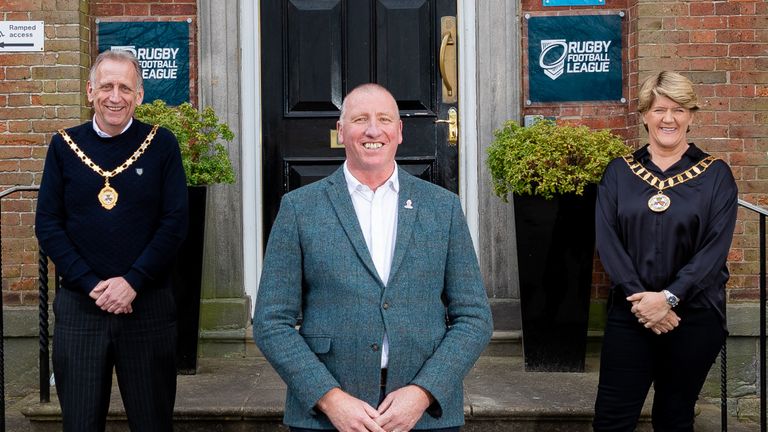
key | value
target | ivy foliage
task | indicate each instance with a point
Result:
(548, 159)
(200, 135)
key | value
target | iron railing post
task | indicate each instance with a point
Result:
(2, 330)
(762, 324)
(724, 388)
(45, 384)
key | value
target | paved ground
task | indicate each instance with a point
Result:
(496, 388)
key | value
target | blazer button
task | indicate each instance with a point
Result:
(385, 306)
(375, 347)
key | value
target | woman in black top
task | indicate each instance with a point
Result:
(664, 223)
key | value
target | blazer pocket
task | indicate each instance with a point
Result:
(318, 344)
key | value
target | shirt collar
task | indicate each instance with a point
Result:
(354, 184)
(103, 134)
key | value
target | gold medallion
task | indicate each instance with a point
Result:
(659, 202)
(108, 196)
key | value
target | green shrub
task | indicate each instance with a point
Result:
(205, 159)
(547, 159)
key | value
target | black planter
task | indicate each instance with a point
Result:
(187, 284)
(555, 249)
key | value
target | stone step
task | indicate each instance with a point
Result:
(239, 394)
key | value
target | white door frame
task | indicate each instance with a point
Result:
(251, 150)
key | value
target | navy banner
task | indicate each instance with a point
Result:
(162, 49)
(574, 58)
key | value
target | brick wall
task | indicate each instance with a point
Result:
(41, 92)
(722, 46)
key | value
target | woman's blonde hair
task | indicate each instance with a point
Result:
(668, 84)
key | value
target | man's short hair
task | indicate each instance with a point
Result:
(120, 56)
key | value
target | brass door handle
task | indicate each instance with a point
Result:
(453, 126)
(447, 40)
(447, 59)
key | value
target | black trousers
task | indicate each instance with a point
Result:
(634, 357)
(89, 343)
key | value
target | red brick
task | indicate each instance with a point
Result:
(173, 9)
(747, 50)
(727, 64)
(21, 5)
(137, 10)
(21, 139)
(702, 36)
(51, 125)
(11, 298)
(17, 73)
(702, 8)
(20, 126)
(107, 10)
(750, 131)
(727, 8)
(754, 159)
(703, 50)
(8, 152)
(19, 100)
(714, 103)
(747, 22)
(726, 36)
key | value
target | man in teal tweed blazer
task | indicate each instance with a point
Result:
(374, 353)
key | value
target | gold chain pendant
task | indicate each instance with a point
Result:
(107, 195)
(659, 202)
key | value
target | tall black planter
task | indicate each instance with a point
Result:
(555, 249)
(188, 273)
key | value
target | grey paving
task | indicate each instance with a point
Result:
(232, 395)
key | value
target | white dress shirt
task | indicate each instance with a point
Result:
(103, 134)
(377, 215)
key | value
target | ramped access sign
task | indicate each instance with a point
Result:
(22, 36)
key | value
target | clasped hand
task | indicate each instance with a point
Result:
(114, 295)
(398, 412)
(653, 311)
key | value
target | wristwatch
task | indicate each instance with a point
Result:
(672, 299)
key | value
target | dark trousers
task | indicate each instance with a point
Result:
(676, 363)
(88, 343)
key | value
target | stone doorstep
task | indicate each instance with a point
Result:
(246, 394)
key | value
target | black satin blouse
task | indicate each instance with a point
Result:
(683, 249)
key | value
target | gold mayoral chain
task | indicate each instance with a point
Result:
(108, 195)
(661, 202)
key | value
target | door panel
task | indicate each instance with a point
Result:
(313, 57)
(315, 51)
(404, 54)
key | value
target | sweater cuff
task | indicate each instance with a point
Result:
(88, 282)
(135, 279)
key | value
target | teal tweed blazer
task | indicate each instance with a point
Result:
(434, 307)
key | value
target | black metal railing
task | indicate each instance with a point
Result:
(3, 194)
(762, 213)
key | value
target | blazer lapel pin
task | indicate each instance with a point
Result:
(408, 204)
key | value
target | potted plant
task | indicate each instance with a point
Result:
(552, 170)
(206, 161)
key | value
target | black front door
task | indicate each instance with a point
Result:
(315, 51)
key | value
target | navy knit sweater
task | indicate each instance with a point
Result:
(138, 238)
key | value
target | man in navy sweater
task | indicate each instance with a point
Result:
(111, 213)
